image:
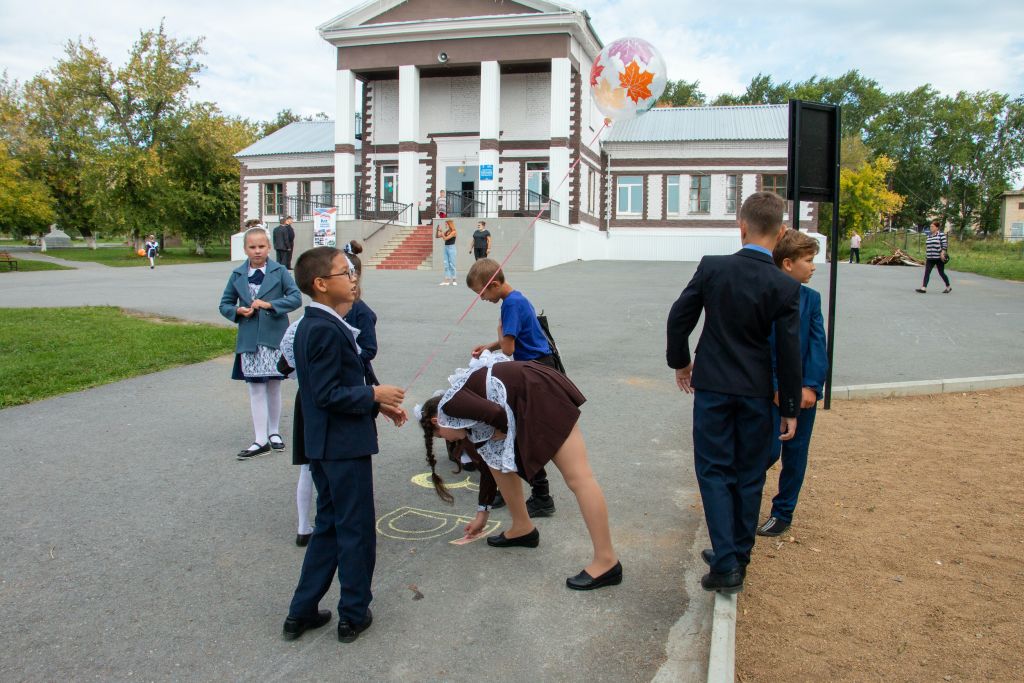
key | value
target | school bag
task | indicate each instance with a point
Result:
(543, 321)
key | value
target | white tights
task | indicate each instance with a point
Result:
(304, 499)
(265, 404)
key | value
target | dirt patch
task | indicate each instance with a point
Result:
(157, 319)
(906, 558)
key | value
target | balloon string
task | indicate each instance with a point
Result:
(546, 206)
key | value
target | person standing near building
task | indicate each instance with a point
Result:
(442, 205)
(481, 241)
(855, 247)
(284, 241)
(447, 232)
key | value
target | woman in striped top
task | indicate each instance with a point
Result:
(935, 257)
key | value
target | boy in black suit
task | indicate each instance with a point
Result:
(338, 408)
(741, 295)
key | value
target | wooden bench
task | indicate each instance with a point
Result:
(12, 263)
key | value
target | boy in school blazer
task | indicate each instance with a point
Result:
(338, 408)
(742, 295)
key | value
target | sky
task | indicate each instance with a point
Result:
(263, 56)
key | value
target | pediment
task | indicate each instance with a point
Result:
(401, 11)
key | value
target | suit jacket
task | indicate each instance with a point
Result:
(813, 348)
(742, 296)
(364, 319)
(337, 404)
(284, 237)
(265, 327)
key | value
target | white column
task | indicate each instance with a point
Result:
(408, 138)
(490, 128)
(345, 142)
(561, 85)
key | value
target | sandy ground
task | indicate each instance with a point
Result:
(905, 559)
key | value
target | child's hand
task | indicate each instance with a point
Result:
(477, 525)
(787, 428)
(480, 349)
(775, 400)
(243, 311)
(683, 376)
(388, 395)
(260, 303)
(807, 399)
(396, 415)
(498, 436)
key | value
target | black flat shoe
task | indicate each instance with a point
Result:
(296, 626)
(250, 452)
(729, 582)
(302, 540)
(537, 506)
(530, 540)
(277, 445)
(585, 582)
(708, 555)
(499, 502)
(773, 527)
(347, 631)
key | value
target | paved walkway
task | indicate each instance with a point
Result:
(135, 546)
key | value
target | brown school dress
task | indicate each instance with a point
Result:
(545, 404)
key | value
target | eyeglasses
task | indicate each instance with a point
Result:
(351, 274)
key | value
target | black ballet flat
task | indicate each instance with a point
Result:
(251, 452)
(530, 540)
(277, 445)
(585, 582)
(302, 540)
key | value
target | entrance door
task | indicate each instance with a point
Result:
(468, 198)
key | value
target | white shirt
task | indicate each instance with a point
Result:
(855, 242)
(253, 270)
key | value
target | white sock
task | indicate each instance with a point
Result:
(304, 499)
(258, 406)
(274, 406)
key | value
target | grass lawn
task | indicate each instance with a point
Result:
(27, 264)
(51, 351)
(1003, 260)
(122, 256)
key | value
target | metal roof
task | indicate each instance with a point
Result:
(754, 122)
(300, 137)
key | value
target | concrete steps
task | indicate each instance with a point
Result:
(410, 249)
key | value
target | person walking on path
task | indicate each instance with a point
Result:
(284, 242)
(936, 252)
(152, 250)
(258, 297)
(855, 247)
(447, 232)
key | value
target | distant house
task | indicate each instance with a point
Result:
(1011, 216)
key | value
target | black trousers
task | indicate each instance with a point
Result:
(284, 257)
(479, 254)
(854, 253)
(935, 263)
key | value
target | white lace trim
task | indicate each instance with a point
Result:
(499, 455)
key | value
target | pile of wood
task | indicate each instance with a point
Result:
(897, 258)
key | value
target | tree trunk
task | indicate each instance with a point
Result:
(200, 249)
(90, 241)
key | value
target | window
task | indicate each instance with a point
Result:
(327, 195)
(774, 183)
(672, 195)
(591, 192)
(730, 193)
(304, 209)
(630, 194)
(537, 175)
(1020, 206)
(389, 183)
(273, 199)
(700, 194)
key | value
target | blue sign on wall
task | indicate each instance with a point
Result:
(487, 172)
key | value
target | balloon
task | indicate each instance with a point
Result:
(627, 78)
(141, 252)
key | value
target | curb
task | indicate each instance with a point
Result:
(933, 386)
(722, 655)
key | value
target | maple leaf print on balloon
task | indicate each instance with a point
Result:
(595, 72)
(635, 82)
(628, 49)
(612, 98)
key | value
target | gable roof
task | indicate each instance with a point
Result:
(672, 124)
(397, 11)
(300, 137)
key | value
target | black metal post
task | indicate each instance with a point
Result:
(834, 271)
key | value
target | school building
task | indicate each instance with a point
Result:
(489, 101)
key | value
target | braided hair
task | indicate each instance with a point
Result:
(429, 411)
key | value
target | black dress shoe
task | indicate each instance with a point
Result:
(296, 626)
(302, 540)
(530, 540)
(251, 452)
(540, 506)
(277, 445)
(499, 502)
(347, 631)
(585, 582)
(708, 555)
(729, 582)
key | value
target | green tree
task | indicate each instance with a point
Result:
(682, 93)
(864, 196)
(26, 207)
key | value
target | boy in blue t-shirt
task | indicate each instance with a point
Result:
(521, 338)
(794, 255)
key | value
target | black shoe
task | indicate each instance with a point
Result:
(921, 290)
(302, 540)
(540, 506)
(347, 631)
(499, 502)
(277, 445)
(253, 452)
(530, 540)
(729, 582)
(585, 582)
(773, 527)
(471, 467)
(296, 626)
(708, 555)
